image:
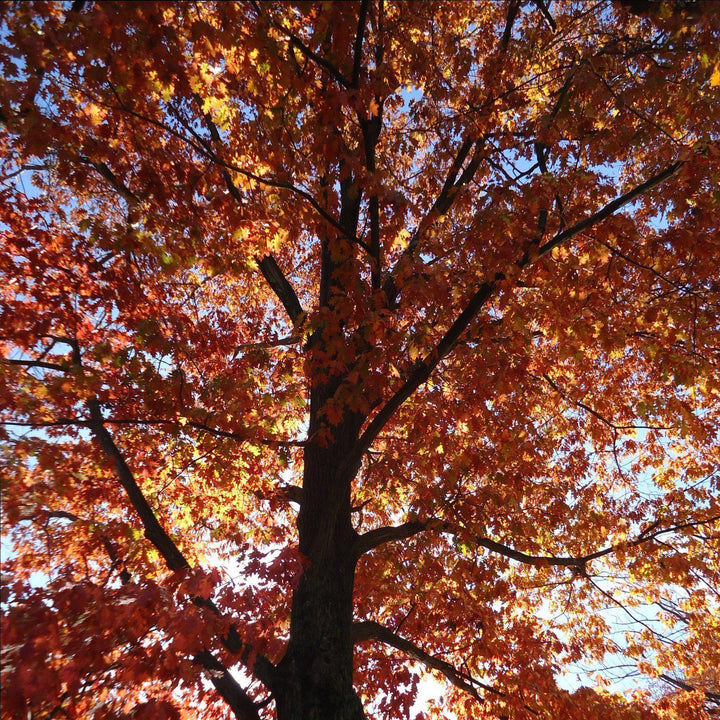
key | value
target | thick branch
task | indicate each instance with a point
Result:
(512, 14)
(611, 208)
(371, 134)
(540, 154)
(542, 7)
(38, 364)
(62, 515)
(167, 548)
(225, 684)
(154, 532)
(281, 286)
(513, 8)
(680, 684)
(419, 374)
(374, 538)
(109, 176)
(452, 186)
(370, 630)
(357, 49)
(239, 701)
(441, 206)
(294, 493)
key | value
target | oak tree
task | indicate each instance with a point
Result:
(345, 342)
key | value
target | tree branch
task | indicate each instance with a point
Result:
(681, 685)
(540, 154)
(422, 369)
(542, 7)
(109, 176)
(370, 630)
(611, 208)
(305, 50)
(154, 532)
(175, 560)
(513, 8)
(357, 49)
(268, 265)
(196, 425)
(294, 493)
(374, 538)
(440, 207)
(371, 134)
(62, 515)
(239, 701)
(450, 189)
(587, 408)
(37, 364)
(281, 286)
(284, 341)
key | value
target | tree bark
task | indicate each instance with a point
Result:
(316, 675)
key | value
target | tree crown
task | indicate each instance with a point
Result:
(423, 296)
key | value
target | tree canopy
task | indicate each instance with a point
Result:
(345, 342)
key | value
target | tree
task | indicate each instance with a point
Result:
(345, 341)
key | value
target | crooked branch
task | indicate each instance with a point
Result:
(374, 538)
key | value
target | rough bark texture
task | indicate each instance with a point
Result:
(316, 672)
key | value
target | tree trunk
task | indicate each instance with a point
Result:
(316, 674)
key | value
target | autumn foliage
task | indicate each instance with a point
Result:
(348, 343)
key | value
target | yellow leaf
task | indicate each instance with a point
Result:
(715, 77)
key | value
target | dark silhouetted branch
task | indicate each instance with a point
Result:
(239, 701)
(154, 532)
(370, 630)
(374, 538)
(357, 47)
